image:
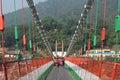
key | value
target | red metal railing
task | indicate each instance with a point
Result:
(102, 69)
(17, 69)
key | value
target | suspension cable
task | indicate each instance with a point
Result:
(104, 23)
(117, 32)
(16, 36)
(16, 28)
(30, 34)
(2, 29)
(91, 14)
(37, 39)
(91, 24)
(96, 23)
(38, 22)
(103, 32)
(24, 35)
(3, 48)
(30, 40)
(23, 16)
(0, 6)
(33, 36)
(15, 13)
(83, 17)
(119, 7)
(87, 22)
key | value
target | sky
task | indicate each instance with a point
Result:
(8, 5)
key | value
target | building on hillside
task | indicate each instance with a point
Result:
(98, 52)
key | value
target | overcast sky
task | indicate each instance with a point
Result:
(8, 5)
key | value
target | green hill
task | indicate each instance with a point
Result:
(63, 16)
(58, 9)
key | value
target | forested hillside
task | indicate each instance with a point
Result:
(63, 15)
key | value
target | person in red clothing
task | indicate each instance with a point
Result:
(57, 62)
(63, 60)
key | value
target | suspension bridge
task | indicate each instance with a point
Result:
(61, 65)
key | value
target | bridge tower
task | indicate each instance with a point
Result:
(59, 45)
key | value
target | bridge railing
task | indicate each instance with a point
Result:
(104, 70)
(17, 69)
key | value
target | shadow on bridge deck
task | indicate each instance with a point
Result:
(59, 73)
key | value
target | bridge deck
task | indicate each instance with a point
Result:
(59, 73)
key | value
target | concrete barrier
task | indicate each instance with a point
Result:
(34, 75)
(82, 73)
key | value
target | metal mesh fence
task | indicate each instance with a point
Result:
(104, 70)
(17, 69)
